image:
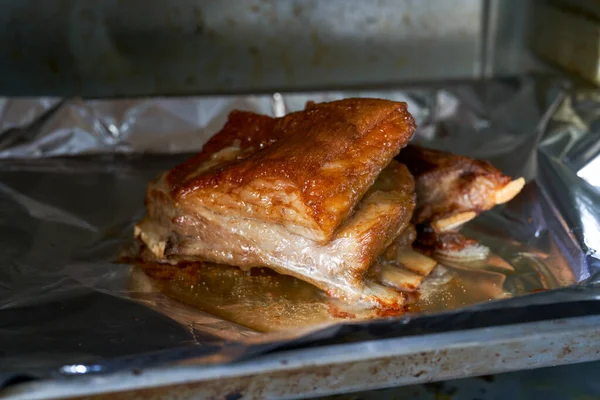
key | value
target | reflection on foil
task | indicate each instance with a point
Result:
(591, 172)
(65, 219)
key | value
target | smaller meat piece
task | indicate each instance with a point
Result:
(453, 189)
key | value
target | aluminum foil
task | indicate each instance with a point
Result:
(67, 308)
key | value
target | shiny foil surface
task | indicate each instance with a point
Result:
(72, 179)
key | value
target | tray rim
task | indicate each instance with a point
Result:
(330, 369)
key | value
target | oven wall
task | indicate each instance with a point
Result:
(150, 47)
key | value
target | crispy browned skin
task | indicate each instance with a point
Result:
(310, 181)
(249, 130)
(449, 184)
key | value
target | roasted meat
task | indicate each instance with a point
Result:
(309, 182)
(450, 246)
(314, 194)
(453, 189)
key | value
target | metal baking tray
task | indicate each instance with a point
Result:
(72, 181)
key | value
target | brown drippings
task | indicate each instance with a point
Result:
(259, 299)
(454, 294)
(390, 312)
(335, 312)
(263, 300)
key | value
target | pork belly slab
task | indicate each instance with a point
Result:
(314, 194)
